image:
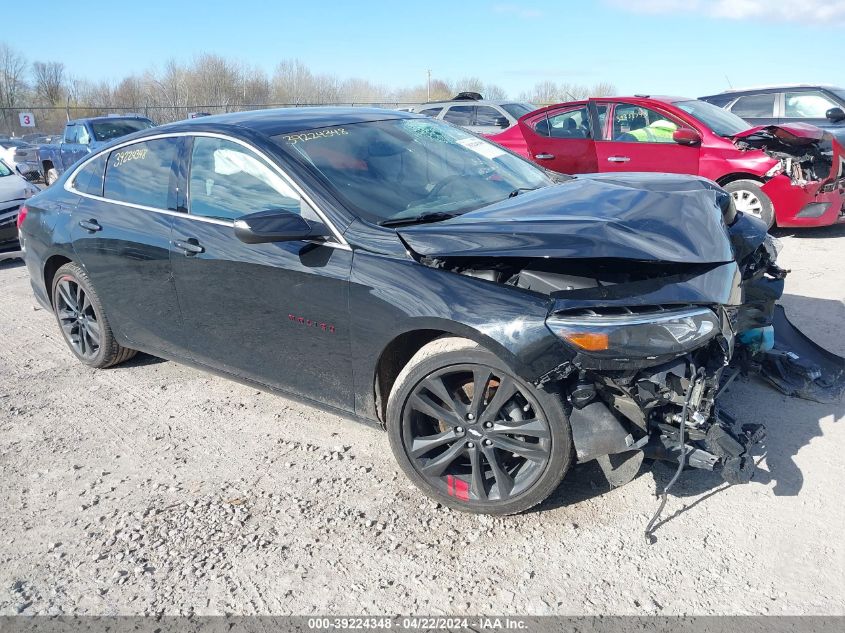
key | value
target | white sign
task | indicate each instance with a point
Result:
(27, 119)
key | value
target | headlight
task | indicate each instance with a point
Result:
(31, 191)
(637, 336)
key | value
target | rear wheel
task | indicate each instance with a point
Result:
(472, 435)
(83, 321)
(749, 198)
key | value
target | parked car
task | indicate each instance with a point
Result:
(9, 149)
(787, 174)
(81, 137)
(471, 111)
(402, 271)
(819, 105)
(14, 191)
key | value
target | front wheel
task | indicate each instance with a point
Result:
(473, 436)
(749, 198)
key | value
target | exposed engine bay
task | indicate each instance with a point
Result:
(653, 343)
(802, 159)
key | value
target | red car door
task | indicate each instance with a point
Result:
(561, 139)
(639, 138)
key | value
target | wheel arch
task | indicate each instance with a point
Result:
(738, 175)
(53, 263)
(401, 348)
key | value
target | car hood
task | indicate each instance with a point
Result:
(788, 133)
(645, 217)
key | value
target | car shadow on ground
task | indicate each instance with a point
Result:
(820, 232)
(791, 422)
(11, 260)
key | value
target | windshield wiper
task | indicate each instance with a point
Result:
(516, 192)
(436, 216)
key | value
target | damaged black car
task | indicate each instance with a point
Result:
(502, 325)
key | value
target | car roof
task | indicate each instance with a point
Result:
(285, 120)
(434, 104)
(773, 87)
(120, 117)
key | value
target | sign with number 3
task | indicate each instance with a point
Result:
(27, 119)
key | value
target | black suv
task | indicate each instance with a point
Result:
(823, 106)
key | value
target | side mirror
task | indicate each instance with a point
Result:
(686, 136)
(503, 122)
(835, 114)
(277, 226)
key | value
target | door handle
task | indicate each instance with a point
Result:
(189, 246)
(544, 156)
(618, 159)
(92, 226)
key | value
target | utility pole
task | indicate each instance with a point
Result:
(428, 85)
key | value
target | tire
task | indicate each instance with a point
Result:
(70, 288)
(531, 421)
(51, 176)
(750, 198)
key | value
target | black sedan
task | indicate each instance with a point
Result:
(403, 271)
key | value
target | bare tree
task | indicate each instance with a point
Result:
(494, 91)
(49, 81)
(12, 80)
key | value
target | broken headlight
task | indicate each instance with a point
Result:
(637, 335)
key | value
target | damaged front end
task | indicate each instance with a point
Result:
(657, 312)
(807, 179)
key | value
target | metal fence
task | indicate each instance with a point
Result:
(51, 120)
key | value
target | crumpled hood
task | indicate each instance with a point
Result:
(788, 133)
(638, 216)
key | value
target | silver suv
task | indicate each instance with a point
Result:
(472, 112)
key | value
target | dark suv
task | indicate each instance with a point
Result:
(823, 106)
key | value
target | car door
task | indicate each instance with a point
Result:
(621, 148)
(562, 139)
(757, 109)
(69, 144)
(121, 235)
(78, 147)
(275, 313)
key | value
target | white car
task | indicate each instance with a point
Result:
(8, 147)
(14, 190)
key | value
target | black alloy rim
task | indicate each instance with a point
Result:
(77, 317)
(474, 434)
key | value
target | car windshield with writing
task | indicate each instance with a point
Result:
(115, 128)
(721, 121)
(406, 170)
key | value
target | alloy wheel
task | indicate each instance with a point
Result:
(747, 202)
(77, 318)
(475, 434)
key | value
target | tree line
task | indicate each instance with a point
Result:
(215, 84)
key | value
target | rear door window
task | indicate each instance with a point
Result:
(142, 173)
(488, 117)
(570, 124)
(755, 106)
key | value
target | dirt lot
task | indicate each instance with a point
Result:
(154, 488)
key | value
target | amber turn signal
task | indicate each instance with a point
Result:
(590, 341)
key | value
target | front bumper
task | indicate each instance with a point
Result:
(800, 205)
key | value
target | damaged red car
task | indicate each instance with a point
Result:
(790, 175)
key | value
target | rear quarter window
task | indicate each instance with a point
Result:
(90, 178)
(142, 173)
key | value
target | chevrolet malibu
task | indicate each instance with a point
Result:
(399, 270)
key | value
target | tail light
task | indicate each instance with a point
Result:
(22, 215)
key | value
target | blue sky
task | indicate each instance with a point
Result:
(687, 47)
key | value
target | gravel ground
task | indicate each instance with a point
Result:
(154, 488)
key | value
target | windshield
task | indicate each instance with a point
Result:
(839, 92)
(405, 168)
(113, 128)
(721, 121)
(4, 169)
(517, 110)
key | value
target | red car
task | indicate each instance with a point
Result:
(790, 174)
